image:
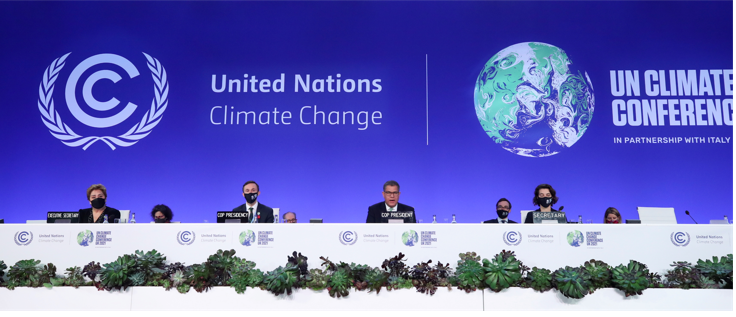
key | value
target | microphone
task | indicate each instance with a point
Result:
(561, 207)
(691, 217)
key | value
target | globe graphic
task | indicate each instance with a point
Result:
(575, 238)
(410, 238)
(530, 102)
(85, 238)
(247, 237)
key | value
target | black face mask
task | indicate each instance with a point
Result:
(160, 220)
(251, 198)
(98, 203)
(544, 201)
(502, 214)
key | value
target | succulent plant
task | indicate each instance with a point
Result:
(572, 282)
(116, 275)
(396, 282)
(682, 275)
(281, 280)
(300, 262)
(149, 267)
(502, 272)
(339, 284)
(469, 274)
(74, 277)
(2, 270)
(719, 271)
(632, 278)
(92, 270)
(654, 279)
(395, 267)
(30, 273)
(540, 279)
(244, 275)
(427, 278)
(220, 264)
(375, 279)
(599, 273)
(317, 279)
(202, 277)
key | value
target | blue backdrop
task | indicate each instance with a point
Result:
(420, 126)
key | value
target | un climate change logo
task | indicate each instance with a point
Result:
(85, 238)
(185, 237)
(23, 238)
(410, 238)
(348, 237)
(247, 238)
(512, 237)
(680, 239)
(575, 238)
(66, 135)
(530, 102)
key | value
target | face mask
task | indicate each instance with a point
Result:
(98, 203)
(251, 198)
(160, 220)
(544, 201)
(502, 214)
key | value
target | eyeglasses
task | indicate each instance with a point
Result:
(291, 220)
(391, 193)
(503, 207)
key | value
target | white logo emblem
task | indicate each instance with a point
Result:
(61, 131)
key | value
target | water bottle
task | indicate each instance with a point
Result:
(725, 218)
(434, 218)
(453, 219)
(580, 219)
(132, 218)
(105, 219)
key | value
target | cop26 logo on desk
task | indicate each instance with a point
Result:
(60, 130)
(531, 102)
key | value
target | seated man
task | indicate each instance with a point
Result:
(258, 213)
(503, 208)
(390, 208)
(290, 217)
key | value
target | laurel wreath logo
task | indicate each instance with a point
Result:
(64, 133)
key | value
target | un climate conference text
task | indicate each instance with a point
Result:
(662, 109)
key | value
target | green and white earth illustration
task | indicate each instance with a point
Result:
(575, 238)
(530, 102)
(247, 237)
(85, 238)
(410, 238)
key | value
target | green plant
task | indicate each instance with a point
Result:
(244, 275)
(469, 274)
(2, 270)
(202, 277)
(375, 279)
(632, 278)
(655, 280)
(220, 264)
(339, 283)
(149, 268)
(30, 273)
(317, 279)
(395, 267)
(73, 278)
(396, 282)
(281, 280)
(599, 273)
(540, 279)
(502, 272)
(682, 275)
(719, 271)
(572, 282)
(116, 275)
(427, 278)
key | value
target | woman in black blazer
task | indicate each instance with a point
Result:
(97, 195)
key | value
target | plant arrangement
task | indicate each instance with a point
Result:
(471, 273)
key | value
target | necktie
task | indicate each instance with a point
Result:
(390, 209)
(503, 221)
(252, 215)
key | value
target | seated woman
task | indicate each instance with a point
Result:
(96, 195)
(612, 216)
(544, 196)
(162, 214)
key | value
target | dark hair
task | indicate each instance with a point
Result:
(391, 183)
(551, 191)
(289, 212)
(164, 210)
(506, 200)
(258, 188)
(611, 210)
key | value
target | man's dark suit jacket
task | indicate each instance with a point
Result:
(265, 212)
(374, 212)
(111, 213)
(496, 221)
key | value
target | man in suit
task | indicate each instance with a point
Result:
(257, 212)
(503, 208)
(390, 207)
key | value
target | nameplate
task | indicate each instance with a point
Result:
(539, 216)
